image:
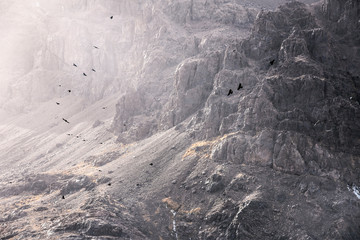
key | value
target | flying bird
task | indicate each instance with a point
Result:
(69, 90)
(240, 86)
(151, 164)
(230, 92)
(109, 184)
(93, 70)
(104, 107)
(57, 103)
(84, 74)
(111, 17)
(272, 62)
(96, 47)
(65, 120)
(74, 65)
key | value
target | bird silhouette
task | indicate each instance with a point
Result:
(240, 86)
(272, 62)
(93, 70)
(63, 197)
(96, 47)
(111, 17)
(69, 90)
(74, 65)
(65, 120)
(57, 103)
(104, 107)
(84, 74)
(230, 92)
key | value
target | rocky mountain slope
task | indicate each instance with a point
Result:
(173, 155)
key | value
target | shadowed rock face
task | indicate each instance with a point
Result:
(297, 115)
(300, 112)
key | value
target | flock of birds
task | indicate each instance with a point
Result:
(85, 75)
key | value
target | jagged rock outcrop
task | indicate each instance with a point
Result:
(305, 94)
(287, 99)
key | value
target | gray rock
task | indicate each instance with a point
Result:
(77, 184)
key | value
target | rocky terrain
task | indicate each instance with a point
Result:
(156, 147)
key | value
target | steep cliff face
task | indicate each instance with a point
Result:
(182, 51)
(303, 107)
(306, 102)
(297, 113)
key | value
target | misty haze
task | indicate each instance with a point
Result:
(180, 119)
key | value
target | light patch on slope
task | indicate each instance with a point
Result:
(355, 189)
(174, 223)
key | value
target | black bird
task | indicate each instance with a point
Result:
(59, 85)
(151, 164)
(137, 185)
(100, 143)
(111, 17)
(99, 170)
(272, 62)
(69, 90)
(104, 107)
(63, 197)
(96, 47)
(65, 120)
(240, 86)
(57, 103)
(84, 140)
(74, 65)
(93, 70)
(69, 134)
(109, 184)
(230, 92)
(84, 74)
(77, 136)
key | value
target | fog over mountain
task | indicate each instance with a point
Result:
(181, 119)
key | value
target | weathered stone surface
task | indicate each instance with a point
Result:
(77, 184)
(103, 159)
